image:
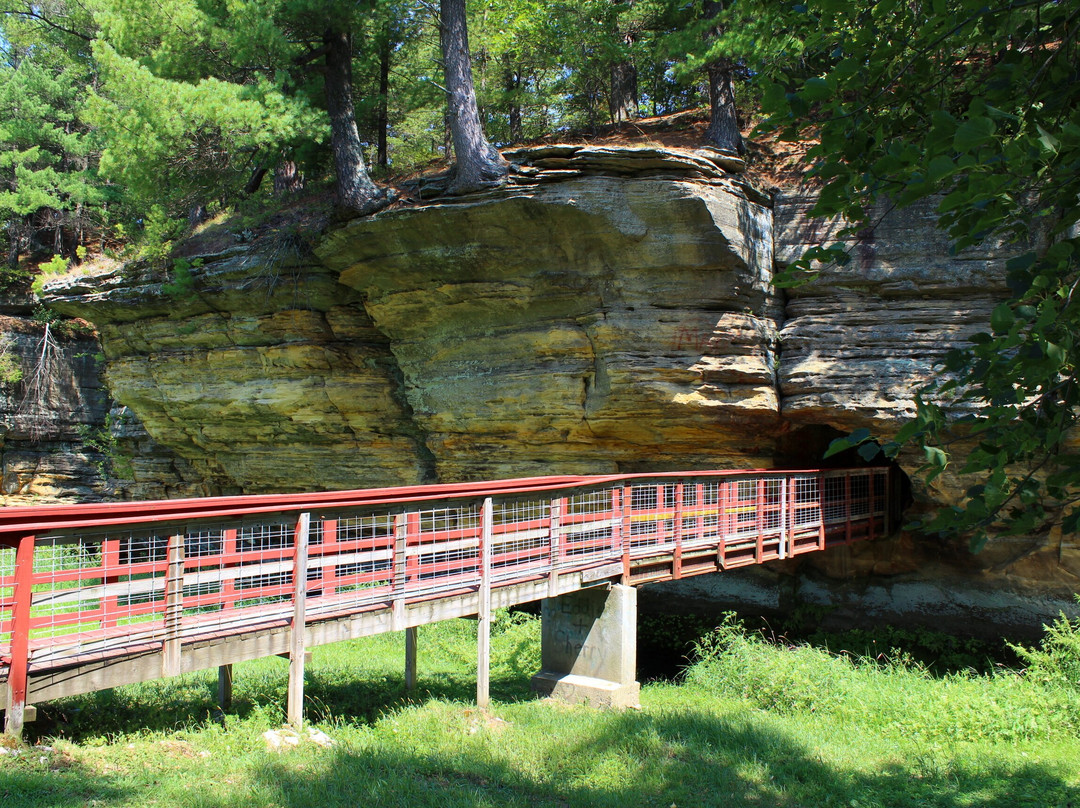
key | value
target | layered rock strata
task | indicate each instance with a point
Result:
(608, 310)
(62, 437)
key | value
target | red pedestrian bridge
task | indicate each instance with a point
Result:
(95, 596)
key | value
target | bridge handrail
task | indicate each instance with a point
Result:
(20, 520)
(106, 580)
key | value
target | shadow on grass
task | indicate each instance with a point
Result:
(34, 780)
(634, 759)
(191, 701)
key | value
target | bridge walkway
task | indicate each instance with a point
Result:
(95, 596)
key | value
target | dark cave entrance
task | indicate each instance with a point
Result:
(804, 447)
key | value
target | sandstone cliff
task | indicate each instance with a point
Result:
(609, 310)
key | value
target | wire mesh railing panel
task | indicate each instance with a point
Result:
(590, 527)
(652, 513)
(97, 590)
(805, 502)
(352, 563)
(7, 603)
(521, 538)
(442, 548)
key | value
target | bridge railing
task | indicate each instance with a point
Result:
(87, 582)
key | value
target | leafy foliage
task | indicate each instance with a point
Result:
(975, 106)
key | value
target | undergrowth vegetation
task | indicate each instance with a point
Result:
(755, 721)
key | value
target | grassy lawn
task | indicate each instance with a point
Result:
(754, 724)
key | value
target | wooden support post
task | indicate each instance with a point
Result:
(483, 623)
(821, 511)
(871, 478)
(676, 564)
(224, 687)
(16, 713)
(410, 658)
(295, 709)
(784, 511)
(625, 533)
(847, 507)
(555, 544)
(174, 607)
(399, 572)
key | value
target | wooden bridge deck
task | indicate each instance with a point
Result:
(96, 596)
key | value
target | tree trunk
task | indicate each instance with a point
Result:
(512, 84)
(382, 113)
(723, 131)
(13, 246)
(356, 191)
(197, 214)
(254, 182)
(477, 164)
(287, 178)
(623, 100)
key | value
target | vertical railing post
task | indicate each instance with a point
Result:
(871, 479)
(676, 567)
(483, 623)
(228, 585)
(626, 533)
(329, 550)
(554, 543)
(784, 510)
(110, 576)
(847, 507)
(399, 571)
(174, 606)
(822, 511)
(723, 493)
(20, 638)
(759, 513)
(295, 707)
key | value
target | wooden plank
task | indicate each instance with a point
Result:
(410, 659)
(295, 707)
(225, 687)
(401, 564)
(554, 542)
(174, 607)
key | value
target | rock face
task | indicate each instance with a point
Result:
(570, 327)
(608, 310)
(62, 437)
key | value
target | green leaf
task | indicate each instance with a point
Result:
(869, 450)
(973, 133)
(816, 89)
(859, 435)
(1002, 318)
(935, 457)
(940, 167)
(838, 445)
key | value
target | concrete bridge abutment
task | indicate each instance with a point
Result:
(589, 648)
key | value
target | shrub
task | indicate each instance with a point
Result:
(1056, 661)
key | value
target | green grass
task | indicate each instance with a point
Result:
(754, 724)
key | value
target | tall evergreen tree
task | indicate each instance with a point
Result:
(477, 164)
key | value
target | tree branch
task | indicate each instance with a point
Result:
(33, 15)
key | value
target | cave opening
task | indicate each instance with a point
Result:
(804, 447)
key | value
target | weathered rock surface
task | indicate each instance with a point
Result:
(269, 378)
(62, 438)
(569, 327)
(608, 310)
